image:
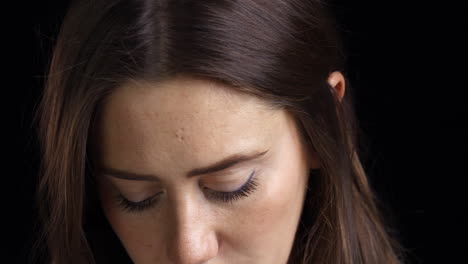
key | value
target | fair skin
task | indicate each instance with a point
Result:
(161, 132)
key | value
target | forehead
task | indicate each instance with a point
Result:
(187, 120)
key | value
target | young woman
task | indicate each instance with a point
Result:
(203, 132)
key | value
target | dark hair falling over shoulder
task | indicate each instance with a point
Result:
(280, 51)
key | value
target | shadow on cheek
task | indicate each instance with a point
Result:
(104, 243)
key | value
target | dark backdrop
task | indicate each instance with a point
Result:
(407, 66)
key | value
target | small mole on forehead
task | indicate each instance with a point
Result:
(180, 134)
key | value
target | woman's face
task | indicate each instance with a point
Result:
(193, 172)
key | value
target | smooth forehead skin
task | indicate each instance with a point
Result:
(169, 128)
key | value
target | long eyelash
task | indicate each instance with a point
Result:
(130, 206)
(248, 188)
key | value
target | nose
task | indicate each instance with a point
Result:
(192, 238)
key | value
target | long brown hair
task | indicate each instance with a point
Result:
(281, 51)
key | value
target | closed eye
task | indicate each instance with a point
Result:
(131, 206)
(245, 190)
(226, 197)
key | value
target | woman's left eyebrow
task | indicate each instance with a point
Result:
(223, 164)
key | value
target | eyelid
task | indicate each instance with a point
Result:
(136, 191)
(135, 207)
(245, 182)
(143, 200)
(244, 191)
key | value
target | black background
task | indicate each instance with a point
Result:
(407, 66)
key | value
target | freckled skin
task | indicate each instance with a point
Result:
(169, 128)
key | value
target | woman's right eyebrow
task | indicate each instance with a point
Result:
(126, 175)
(223, 164)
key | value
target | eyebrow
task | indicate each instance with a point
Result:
(223, 164)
